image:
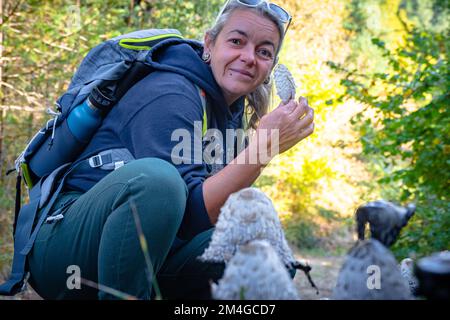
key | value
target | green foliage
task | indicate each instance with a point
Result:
(302, 231)
(196, 18)
(405, 128)
(428, 230)
(410, 129)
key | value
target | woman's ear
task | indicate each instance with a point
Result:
(207, 42)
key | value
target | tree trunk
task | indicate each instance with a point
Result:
(130, 16)
(2, 99)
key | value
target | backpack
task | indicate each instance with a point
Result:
(107, 72)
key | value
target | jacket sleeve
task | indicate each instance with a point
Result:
(163, 128)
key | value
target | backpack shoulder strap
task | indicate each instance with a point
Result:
(203, 99)
(25, 234)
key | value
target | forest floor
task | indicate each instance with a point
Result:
(325, 267)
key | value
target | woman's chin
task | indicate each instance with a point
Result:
(239, 89)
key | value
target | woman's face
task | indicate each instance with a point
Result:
(243, 54)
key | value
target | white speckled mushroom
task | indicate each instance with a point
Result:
(255, 273)
(407, 271)
(370, 271)
(285, 83)
(247, 215)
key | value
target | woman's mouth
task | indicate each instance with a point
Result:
(242, 72)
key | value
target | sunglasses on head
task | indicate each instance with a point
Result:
(282, 15)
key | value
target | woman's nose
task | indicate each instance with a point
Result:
(248, 56)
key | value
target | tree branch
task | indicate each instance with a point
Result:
(11, 13)
(403, 23)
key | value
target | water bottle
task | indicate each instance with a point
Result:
(84, 120)
(73, 135)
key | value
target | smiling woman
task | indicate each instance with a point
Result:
(269, 18)
(175, 206)
(243, 53)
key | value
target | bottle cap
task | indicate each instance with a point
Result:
(101, 100)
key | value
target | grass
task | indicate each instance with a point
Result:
(116, 293)
(151, 276)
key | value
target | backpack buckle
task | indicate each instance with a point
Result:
(56, 218)
(96, 161)
(118, 164)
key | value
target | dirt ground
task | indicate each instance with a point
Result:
(324, 273)
(29, 294)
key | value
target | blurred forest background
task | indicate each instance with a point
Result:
(375, 71)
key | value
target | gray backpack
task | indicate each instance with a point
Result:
(107, 72)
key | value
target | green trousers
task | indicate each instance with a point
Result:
(98, 238)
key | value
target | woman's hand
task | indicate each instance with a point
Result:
(293, 122)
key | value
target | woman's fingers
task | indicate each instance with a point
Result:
(306, 132)
(300, 108)
(288, 107)
(307, 119)
(304, 122)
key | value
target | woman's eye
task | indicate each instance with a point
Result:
(265, 53)
(235, 41)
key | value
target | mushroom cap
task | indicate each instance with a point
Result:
(247, 215)
(255, 273)
(284, 82)
(370, 272)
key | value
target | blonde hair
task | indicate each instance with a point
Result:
(258, 101)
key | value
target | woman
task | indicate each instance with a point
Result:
(177, 202)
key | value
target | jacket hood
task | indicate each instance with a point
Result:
(184, 57)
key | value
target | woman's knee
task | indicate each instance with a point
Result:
(154, 185)
(155, 174)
